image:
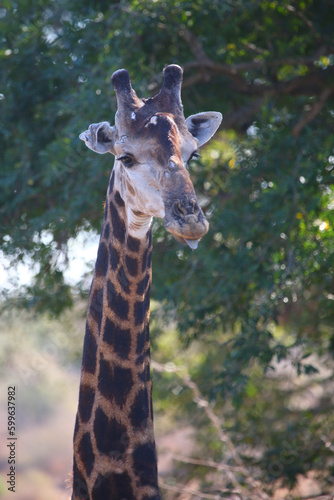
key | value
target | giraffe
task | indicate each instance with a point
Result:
(114, 446)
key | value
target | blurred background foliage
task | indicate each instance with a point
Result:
(249, 315)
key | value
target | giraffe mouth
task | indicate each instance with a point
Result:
(188, 234)
(192, 243)
(185, 220)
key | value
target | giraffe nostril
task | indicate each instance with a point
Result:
(187, 211)
(179, 210)
(195, 206)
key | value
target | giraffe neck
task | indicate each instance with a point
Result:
(114, 448)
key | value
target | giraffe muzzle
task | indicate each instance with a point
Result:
(186, 222)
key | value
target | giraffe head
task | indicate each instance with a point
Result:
(152, 143)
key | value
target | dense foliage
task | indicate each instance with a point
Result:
(260, 288)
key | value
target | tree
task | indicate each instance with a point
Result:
(266, 266)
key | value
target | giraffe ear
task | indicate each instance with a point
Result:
(100, 137)
(204, 125)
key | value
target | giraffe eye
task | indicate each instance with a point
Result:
(194, 156)
(126, 160)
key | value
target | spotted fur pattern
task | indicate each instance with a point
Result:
(114, 448)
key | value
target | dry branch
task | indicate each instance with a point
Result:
(199, 494)
(208, 463)
(254, 487)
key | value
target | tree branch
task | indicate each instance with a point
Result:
(216, 423)
(314, 111)
(302, 16)
(207, 463)
(242, 117)
(233, 69)
(198, 494)
(202, 60)
(308, 84)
